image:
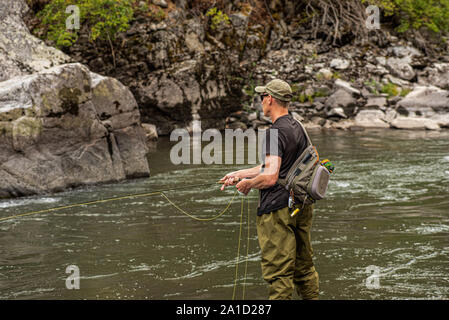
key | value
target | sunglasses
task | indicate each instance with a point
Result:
(262, 96)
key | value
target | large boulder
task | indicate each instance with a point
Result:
(20, 52)
(66, 127)
(426, 101)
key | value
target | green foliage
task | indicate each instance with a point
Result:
(416, 14)
(405, 91)
(218, 17)
(391, 89)
(104, 18)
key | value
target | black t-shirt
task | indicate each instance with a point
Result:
(291, 142)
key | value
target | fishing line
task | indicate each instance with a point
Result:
(161, 192)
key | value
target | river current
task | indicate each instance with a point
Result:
(381, 233)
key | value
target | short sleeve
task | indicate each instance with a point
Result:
(274, 143)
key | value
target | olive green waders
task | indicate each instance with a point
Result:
(287, 253)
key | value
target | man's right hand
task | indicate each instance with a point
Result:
(230, 179)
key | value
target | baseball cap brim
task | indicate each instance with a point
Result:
(260, 89)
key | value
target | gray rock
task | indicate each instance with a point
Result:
(20, 52)
(296, 116)
(439, 75)
(150, 132)
(426, 100)
(160, 3)
(310, 126)
(178, 93)
(400, 68)
(318, 121)
(340, 98)
(411, 123)
(441, 119)
(376, 102)
(238, 20)
(252, 116)
(325, 73)
(346, 86)
(404, 51)
(371, 119)
(336, 112)
(66, 127)
(339, 64)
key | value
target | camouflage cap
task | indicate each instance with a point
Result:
(277, 88)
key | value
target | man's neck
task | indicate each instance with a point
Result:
(278, 113)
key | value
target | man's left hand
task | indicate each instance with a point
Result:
(244, 186)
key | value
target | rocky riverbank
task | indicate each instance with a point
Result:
(181, 66)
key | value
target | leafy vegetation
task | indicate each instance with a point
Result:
(417, 14)
(218, 17)
(104, 19)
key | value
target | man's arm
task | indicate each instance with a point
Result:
(265, 179)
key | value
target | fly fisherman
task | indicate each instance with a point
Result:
(284, 240)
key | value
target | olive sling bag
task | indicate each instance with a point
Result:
(308, 178)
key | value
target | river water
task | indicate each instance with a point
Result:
(381, 233)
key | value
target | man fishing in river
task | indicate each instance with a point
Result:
(284, 240)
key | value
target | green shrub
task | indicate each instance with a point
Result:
(416, 14)
(391, 89)
(218, 17)
(104, 18)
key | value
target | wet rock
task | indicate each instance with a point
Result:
(65, 127)
(411, 123)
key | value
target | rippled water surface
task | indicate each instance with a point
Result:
(386, 211)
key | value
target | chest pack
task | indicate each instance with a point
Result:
(308, 178)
